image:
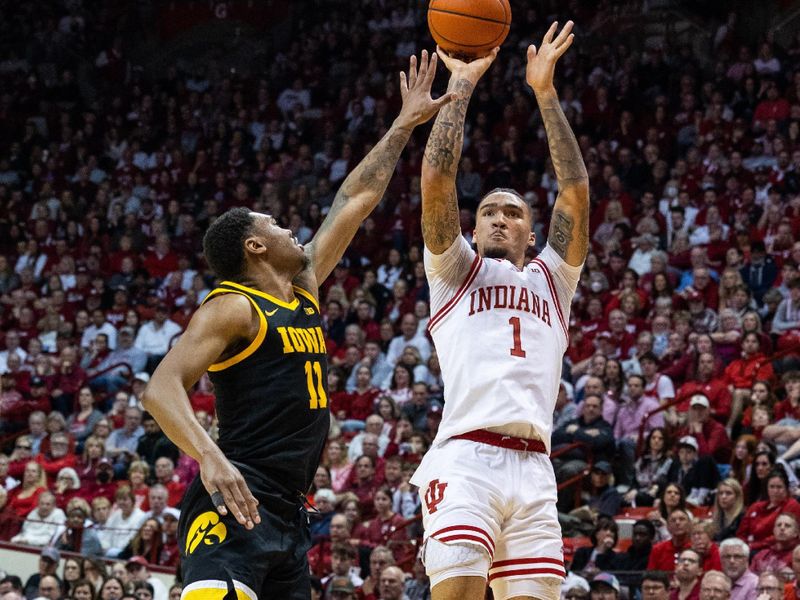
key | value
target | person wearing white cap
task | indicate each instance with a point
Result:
(698, 475)
(710, 435)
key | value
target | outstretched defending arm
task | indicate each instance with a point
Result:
(365, 185)
(440, 223)
(569, 225)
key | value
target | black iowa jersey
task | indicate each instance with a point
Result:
(272, 400)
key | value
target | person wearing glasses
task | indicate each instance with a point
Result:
(655, 585)
(687, 574)
(734, 554)
(769, 587)
(715, 586)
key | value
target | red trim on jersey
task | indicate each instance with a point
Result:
(552, 287)
(545, 571)
(525, 561)
(468, 538)
(466, 528)
(473, 271)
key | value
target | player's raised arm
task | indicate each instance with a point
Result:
(440, 223)
(216, 326)
(364, 187)
(569, 225)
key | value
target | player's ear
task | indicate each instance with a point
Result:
(532, 240)
(254, 245)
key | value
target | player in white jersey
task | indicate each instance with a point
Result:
(500, 329)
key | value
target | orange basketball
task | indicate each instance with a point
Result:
(469, 28)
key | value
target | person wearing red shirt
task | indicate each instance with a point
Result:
(712, 439)
(742, 373)
(773, 107)
(102, 484)
(319, 556)
(705, 546)
(161, 261)
(664, 554)
(386, 527)
(792, 590)
(25, 497)
(779, 554)
(165, 475)
(759, 519)
(58, 457)
(10, 522)
(688, 571)
(713, 388)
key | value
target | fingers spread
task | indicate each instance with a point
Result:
(431, 72)
(548, 37)
(562, 36)
(531, 52)
(412, 71)
(423, 66)
(565, 46)
(403, 85)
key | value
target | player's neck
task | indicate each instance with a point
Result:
(270, 281)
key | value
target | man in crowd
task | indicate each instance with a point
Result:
(655, 585)
(734, 554)
(688, 570)
(41, 523)
(712, 439)
(715, 585)
(662, 557)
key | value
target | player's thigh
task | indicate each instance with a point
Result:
(460, 588)
(216, 589)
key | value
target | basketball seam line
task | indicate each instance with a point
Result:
(458, 14)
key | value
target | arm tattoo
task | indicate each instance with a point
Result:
(447, 136)
(561, 228)
(440, 222)
(569, 226)
(564, 149)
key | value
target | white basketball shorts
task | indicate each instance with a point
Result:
(501, 500)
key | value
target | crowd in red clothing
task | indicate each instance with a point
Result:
(690, 296)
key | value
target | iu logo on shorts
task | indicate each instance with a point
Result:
(434, 495)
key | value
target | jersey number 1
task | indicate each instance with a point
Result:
(517, 349)
(316, 389)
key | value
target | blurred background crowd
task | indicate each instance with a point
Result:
(127, 127)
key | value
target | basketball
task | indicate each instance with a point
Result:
(469, 28)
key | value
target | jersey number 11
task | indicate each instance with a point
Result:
(316, 388)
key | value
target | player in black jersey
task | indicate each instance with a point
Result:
(243, 529)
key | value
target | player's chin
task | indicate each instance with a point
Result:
(496, 251)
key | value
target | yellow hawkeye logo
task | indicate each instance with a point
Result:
(269, 313)
(207, 529)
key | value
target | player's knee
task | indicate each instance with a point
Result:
(541, 588)
(444, 561)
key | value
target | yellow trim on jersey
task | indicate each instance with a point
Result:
(307, 295)
(262, 333)
(290, 305)
(214, 589)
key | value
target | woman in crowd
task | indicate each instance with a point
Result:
(673, 496)
(137, 476)
(123, 521)
(385, 527)
(81, 423)
(742, 457)
(67, 487)
(389, 412)
(412, 358)
(778, 555)
(56, 423)
(94, 449)
(400, 385)
(600, 556)
(360, 403)
(728, 509)
(339, 465)
(94, 570)
(71, 573)
(112, 589)
(147, 542)
(24, 498)
(651, 468)
(756, 486)
(83, 590)
(759, 520)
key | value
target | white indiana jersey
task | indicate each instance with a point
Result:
(500, 334)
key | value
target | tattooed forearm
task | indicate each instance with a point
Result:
(447, 136)
(564, 149)
(440, 222)
(569, 225)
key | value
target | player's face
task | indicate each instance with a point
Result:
(281, 246)
(503, 228)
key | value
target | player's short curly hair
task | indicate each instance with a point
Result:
(223, 243)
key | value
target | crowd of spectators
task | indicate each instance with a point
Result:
(690, 296)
